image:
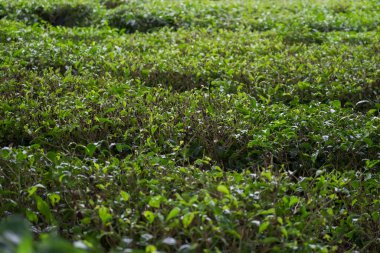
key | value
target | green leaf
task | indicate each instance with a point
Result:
(21, 156)
(269, 211)
(54, 198)
(31, 216)
(223, 189)
(86, 221)
(52, 156)
(263, 226)
(187, 219)
(153, 129)
(125, 195)
(149, 216)
(173, 213)
(284, 232)
(90, 149)
(25, 246)
(150, 249)
(336, 104)
(5, 152)
(119, 147)
(233, 233)
(270, 240)
(155, 201)
(43, 208)
(210, 110)
(104, 214)
(375, 215)
(368, 141)
(267, 174)
(293, 200)
(34, 188)
(104, 120)
(371, 163)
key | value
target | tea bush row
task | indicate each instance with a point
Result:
(151, 203)
(132, 16)
(345, 67)
(234, 129)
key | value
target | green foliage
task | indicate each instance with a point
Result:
(16, 236)
(67, 15)
(280, 210)
(131, 21)
(189, 126)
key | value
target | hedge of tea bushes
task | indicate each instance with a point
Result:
(345, 67)
(233, 129)
(148, 202)
(145, 16)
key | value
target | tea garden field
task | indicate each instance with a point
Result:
(189, 126)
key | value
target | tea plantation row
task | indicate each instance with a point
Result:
(134, 15)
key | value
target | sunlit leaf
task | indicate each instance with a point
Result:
(149, 216)
(223, 189)
(104, 214)
(173, 213)
(263, 226)
(187, 219)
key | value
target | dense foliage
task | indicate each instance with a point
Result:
(189, 126)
